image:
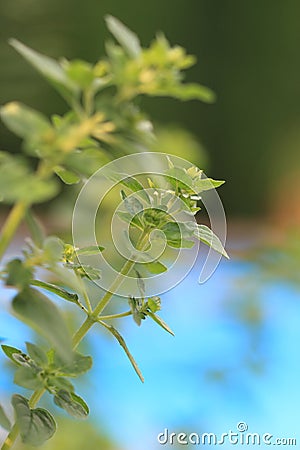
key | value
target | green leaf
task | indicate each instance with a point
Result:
(35, 228)
(53, 248)
(129, 40)
(177, 234)
(155, 267)
(43, 316)
(154, 304)
(18, 183)
(185, 92)
(208, 237)
(72, 403)
(4, 421)
(160, 322)
(25, 122)
(17, 274)
(36, 425)
(80, 72)
(79, 365)
(49, 68)
(205, 184)
(10, 352)
(90, 250)
(126, 217)
(67, 176)
(121, 341)
(73, 298)
(37, 354)
(178, 178)
(56, 384)
(28, 378)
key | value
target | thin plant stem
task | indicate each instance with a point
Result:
(116, 316)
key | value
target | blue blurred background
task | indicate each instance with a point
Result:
(235, 353)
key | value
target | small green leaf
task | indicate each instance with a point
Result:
(28, 378)
(25, 122)
(155, 267)
(4, 421)
(37, 354)
(79, 365)
(43, 316)
(185, 92)
(56, 384)
(10, 352)
(154, 304)
(36, 425)
(160, 322)
(208, 237)
(67, 176)
(73, 298)
(17, 274)
(122, 342)
(72, 403)
(53, 248)
(90, 250)
(178, 178)
(49, 68)
(177, 234)
(80, 72)
(205, 184)
(35, 228)
(129, 40)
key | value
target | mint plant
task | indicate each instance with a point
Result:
(103, 123)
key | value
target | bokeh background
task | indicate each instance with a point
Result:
(235, 356)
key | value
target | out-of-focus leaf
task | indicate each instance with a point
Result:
(67, 176)
(18, 183)
(49, 68)
(37, 354)
(28, 378)
(78, 365)
(4, 421)
(18, 275)
(43, 316)
(25, 122)
(36, 425)
(129, 40)
(185, 92)
(35, 228)
(80, 72)
(155, 267)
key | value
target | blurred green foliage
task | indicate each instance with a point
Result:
(73, 435)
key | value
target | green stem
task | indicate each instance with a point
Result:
(11, 225)
(11, 438)
(118, 281)
(36, 397)
(81, 332)
(116, 316)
